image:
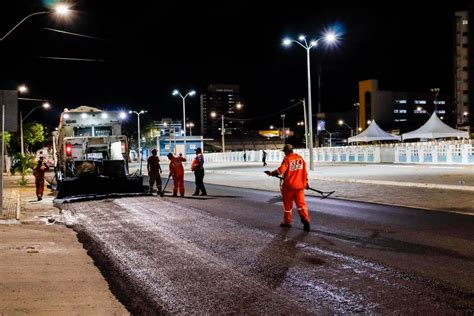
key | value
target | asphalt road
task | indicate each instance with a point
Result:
(225, 253)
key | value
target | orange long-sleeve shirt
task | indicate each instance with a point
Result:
(293, 170)
(176, 166)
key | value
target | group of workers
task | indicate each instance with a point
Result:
(176, 169)
(292, 170)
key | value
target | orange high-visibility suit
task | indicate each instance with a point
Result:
(38, 172)
(293, 170)
(177, 172)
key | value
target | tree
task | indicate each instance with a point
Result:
(8, 138)
(33, 135)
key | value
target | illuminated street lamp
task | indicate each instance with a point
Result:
(307, 45)
(190, 125)
(59, 9)
(238, 106)
(45, 106)
(190, 93)
(138, 137)
(330, 134)
(341, 122)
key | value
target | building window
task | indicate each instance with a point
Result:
(420, 101)
(465, 33)
(464, 92)
(401, 101)
(465, 22)
(464, 45)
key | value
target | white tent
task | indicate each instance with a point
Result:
(435, 128)
(373, 133)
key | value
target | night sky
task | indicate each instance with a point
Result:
(148, 48)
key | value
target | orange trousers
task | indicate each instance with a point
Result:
(298, 197)
(39, 187)
(178, 182)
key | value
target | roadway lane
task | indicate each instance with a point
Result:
(225, 253)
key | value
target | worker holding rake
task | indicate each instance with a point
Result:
(295, 181)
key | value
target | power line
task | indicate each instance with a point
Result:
(263, 117)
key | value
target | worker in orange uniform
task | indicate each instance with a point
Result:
(177, 172)
(38, 172)
(154, 170)
(295, 181)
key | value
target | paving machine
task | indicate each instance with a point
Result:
(92, 156)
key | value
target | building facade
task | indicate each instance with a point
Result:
(464, 69)
(219, 98)
(399, 111)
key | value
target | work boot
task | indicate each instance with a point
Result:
(182, 195)
(306, 226)
(174, 194)
(196, 193)
(39, 198)
(285, 225)
(203, 194)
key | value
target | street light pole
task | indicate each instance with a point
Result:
(329, 37)
(60, 9)
(139, 138)
(223, 133)
(190, 93)
(341, 122)
(283, 129)
(214, 114)
(45, 105)
(357, 105)
(305, 118)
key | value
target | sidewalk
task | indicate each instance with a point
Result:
(44, 269)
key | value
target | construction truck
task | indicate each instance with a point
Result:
(92, 156)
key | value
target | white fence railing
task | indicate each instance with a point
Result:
(423, 153)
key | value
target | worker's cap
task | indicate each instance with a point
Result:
(198, 150)
(170, 155)
(287, 147)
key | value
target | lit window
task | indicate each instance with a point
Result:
(420, 101)
(465, 22)
(401, 101)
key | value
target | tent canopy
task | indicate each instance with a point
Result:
(373, 133)
(435, 128)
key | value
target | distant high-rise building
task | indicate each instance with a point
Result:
(464, 69)
(219, 98)
(397, 110)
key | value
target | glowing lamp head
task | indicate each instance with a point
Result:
(62, 9)
(239, 105)
(175, 92)
(22, 89)
(213, 114)
(330, 37)
(192, 92)
(46, 105)
(340, 122)
(122, 115)
(301, 37)
(286, 42)
(314, 43)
